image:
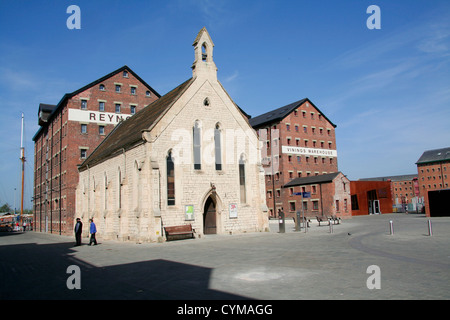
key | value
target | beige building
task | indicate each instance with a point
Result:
(190, 157)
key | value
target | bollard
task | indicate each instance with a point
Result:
(391, 227)
(281, 223)
(298, 225)
(331, 227)
(430, 230)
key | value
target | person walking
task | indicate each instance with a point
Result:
(78, 230)
(92, 231)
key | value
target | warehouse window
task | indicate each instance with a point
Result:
(292, 206)
(83, 153)
(315, 205)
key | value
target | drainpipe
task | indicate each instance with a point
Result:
(321, 200)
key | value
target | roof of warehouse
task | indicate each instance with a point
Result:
(280, 113)
(70, 95)
(435, 155)
(322, 178)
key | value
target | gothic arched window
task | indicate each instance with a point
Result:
(197, 146)
(242, 179)
(170, 180)
(218, 147)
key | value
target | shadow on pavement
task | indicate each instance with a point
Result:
(39, 272)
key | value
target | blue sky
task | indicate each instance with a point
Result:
(387, 90)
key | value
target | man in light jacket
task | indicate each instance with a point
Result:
(92, 231)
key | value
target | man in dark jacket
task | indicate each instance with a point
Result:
(78, 230)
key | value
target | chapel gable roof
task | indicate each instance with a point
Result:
(128, 133)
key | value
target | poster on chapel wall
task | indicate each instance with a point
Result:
(233, 210)
(189, 212)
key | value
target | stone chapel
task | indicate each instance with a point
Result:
(191, 157)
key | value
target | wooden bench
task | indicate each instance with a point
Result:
(179, 232)
(319, 220)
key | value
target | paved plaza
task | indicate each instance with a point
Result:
(318, 264)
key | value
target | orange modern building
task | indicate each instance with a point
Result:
(370, 197)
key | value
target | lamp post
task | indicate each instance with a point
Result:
(15, 189)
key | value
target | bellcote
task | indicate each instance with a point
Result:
(204, 65)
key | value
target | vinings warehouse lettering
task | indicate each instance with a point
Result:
(309, 151)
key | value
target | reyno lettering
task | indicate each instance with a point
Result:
(102, 117)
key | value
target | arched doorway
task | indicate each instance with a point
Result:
(209, 217)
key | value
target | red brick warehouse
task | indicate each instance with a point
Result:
(300, 142)
(69, 132)
(433, 167)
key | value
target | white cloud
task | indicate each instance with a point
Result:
(15, 80)
(232, 77)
